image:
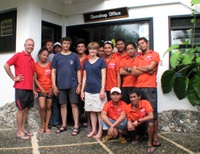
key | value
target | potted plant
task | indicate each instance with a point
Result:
(184, 75)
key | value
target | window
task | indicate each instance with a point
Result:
(129, 30)
(50, 32)
(8, 31)
(180, 30)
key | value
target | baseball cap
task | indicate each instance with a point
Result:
(57, 44)
(115, 89)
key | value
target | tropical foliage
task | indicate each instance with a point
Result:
(184, 75)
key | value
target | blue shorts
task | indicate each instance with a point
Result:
(122, 126)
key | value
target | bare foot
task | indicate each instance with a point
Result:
(98, 136)
(91, 134)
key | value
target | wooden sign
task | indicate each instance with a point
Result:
(106, 14)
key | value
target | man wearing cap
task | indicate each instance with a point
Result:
(55, 113)
(114, 116)
(57, 47)
(112, 68)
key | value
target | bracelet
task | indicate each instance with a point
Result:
(103, 87)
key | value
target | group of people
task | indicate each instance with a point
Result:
(115, 90)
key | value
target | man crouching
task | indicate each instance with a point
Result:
(140, 118)
(114, 116)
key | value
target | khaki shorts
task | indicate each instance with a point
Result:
(93, 102)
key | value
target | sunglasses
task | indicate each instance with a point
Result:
(108, 42)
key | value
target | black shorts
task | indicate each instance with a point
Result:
(142, 128)
(24, 98)
(41, 95)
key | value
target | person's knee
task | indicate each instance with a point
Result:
(42, 108)
(62, 106)
(151, 125)
(74, 105)
(48, 108)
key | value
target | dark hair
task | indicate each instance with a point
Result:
(108, 42)
(66, 39)
(120, 39)
(48, 41)
(41, 50)
(80, 41)
(135, 90)
(142, 38)
(131, 43)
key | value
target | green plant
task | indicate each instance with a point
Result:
(184, 75)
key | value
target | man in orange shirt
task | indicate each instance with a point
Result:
(114, 116)
(145, 68)
(121, 52)
(125, 67)
(140, 118)
(81, 48)
(112, 72)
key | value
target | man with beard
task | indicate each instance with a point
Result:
(145, 68)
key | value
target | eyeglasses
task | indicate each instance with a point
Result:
(108, 42)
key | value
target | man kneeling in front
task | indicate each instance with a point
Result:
(114, 116)
(140, 118)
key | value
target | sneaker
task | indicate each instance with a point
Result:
(106, 138)
(122, 139)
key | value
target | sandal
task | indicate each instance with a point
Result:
(156, 143)
(75, 131)
(61, 129)
(137, 139)
(28, 134)
(150, 149)
(23, 137)
(106, 138)
(48, 131)
(41, 130)
(122, 139)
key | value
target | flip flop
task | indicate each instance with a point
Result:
(75, 131)
(106, 138)
(48, 131)
(41, 130)
(23, 137)
(156, 143)
(28, 134)
(137, 140)
(61, 129)
(150, 149)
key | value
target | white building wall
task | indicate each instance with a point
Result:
(144, 9)
(31, 12)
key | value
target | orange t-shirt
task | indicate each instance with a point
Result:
(44, 76)
(111, 73)
(146, 80)
(127, 80)
(119, 57)
(143, 110)
(82, 63)
(114, 112)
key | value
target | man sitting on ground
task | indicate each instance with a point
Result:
(114, 116)
(140, 118)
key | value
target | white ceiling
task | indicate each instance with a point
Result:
(76, 1)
